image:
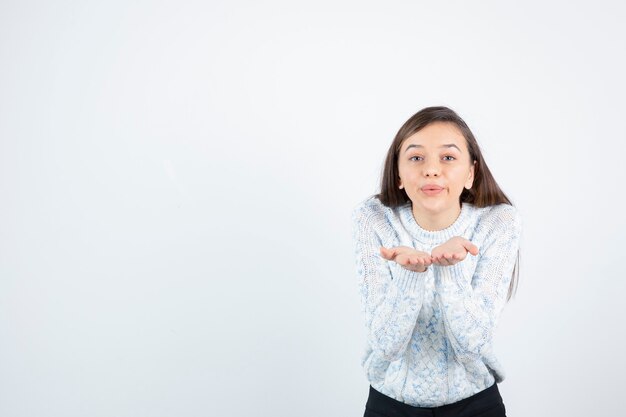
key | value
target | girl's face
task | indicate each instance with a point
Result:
(437, 156)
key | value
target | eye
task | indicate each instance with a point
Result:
(411, 158)
(449, 156)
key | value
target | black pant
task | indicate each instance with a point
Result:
(486, 403)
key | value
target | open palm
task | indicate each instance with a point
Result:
(453, 251)
(410, 258)
(449, 253)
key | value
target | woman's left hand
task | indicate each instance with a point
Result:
(453, 251)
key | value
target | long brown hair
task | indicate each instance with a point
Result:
(485, 192)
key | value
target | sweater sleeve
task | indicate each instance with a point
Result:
(472, 301)
(391, 295)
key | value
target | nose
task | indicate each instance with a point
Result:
(431, 169)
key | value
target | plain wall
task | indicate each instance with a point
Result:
(177, 179)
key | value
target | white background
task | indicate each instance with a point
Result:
(177, 177)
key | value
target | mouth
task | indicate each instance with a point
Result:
(431, 190)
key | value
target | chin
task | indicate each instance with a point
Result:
(436, 206)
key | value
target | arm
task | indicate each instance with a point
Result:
(472, 301)
(391, 295)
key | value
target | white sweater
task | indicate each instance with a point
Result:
(430, 334)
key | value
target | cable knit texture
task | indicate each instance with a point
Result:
(430, 334)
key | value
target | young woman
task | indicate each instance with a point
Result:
(436, 253)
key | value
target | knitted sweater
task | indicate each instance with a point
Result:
(430, 334)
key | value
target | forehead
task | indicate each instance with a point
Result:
(434, 135)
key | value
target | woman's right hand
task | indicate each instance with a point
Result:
(409, 258)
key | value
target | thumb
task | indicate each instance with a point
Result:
(471, 248)
(387, 253)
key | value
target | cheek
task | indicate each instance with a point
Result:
(461, 175)
(459, 181)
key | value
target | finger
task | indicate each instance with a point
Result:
(387, 253)
(470, 247)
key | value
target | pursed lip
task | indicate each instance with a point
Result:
(432, 187)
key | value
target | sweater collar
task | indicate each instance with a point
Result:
(437, 236)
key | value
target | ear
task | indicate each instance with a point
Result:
(470, 178)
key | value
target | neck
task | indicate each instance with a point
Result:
(435, 221)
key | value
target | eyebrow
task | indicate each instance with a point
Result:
(447, 145)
